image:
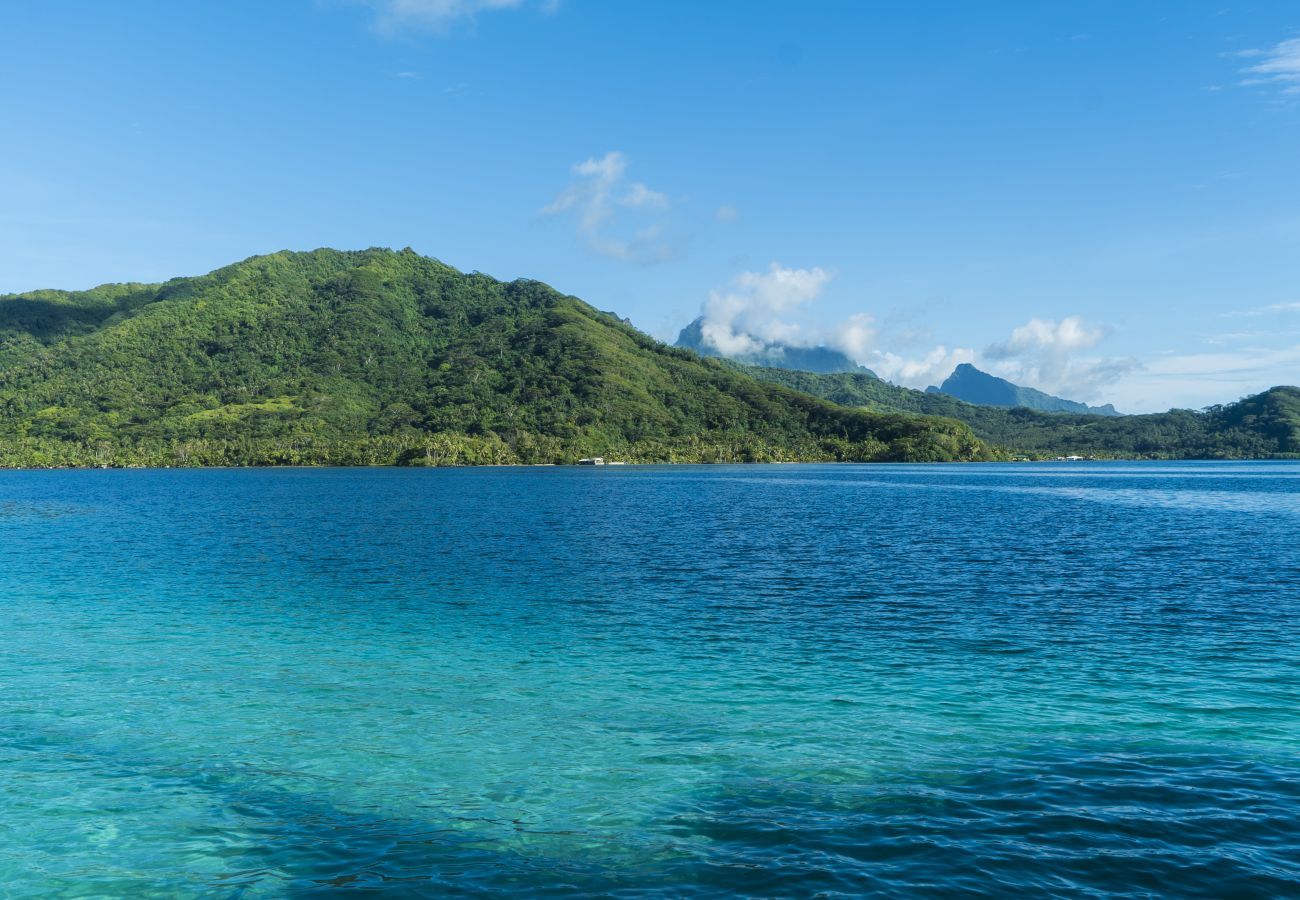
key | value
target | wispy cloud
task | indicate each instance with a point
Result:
(1239, 337)
(1270, 309)
(598, 195)
(1249, 363)
(398, 16)
(1277, 66)
(1193, 380)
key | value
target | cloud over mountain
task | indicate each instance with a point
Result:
(753, 315)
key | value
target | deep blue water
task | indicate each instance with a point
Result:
(1055, 679)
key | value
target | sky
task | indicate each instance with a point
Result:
(1099, 199)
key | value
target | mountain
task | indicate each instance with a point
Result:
(970, 384)
(381, 357)
(775, 355)
(1262, 426)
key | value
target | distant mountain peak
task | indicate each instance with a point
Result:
(974, 386)
(821, 359)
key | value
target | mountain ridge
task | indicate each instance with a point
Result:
(975, 386)
(384, 357)
(377, 357)
(1259, 426)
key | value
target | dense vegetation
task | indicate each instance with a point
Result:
(381, 357)
(1266, 425)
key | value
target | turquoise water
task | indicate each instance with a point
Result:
(1057, 679)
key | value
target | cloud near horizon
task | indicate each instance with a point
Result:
(1193, 380)
(597, 196)
(764, 309)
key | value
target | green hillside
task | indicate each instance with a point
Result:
(1266, 425)
(381, 357)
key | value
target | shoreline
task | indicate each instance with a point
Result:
(642, 465)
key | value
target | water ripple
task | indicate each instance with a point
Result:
(680, 681)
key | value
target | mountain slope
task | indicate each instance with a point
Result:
(1264, 426)
(970, 384)
(779, 356)
(380, 357)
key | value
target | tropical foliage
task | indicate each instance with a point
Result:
(382, 357)
(1266, 425)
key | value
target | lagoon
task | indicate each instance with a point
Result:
(1059, 679)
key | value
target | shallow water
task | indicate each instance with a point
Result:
(1065, 679)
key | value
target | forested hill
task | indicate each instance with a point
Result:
(1264, 426)
(381, 357)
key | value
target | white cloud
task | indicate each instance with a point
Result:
(726, 213)
(599, 190)
(855, 336)
(1270, 309)
(1277, 66)
(1239, 337)
(1194, 380)
(1042, 335)
(781, 289)
(1044, 354)
(393, 16)
(1061, 357)
(638, 195)
(763, 309)
(752, 316)
(769, 308)
(930, 369)
(1085, 379)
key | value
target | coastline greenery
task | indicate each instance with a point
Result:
(378, 357)
(1262, 426)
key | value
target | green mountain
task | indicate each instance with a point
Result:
(775, 355)
(1263, 426)
(970, 384)
(382, 357)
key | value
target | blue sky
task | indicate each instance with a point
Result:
(1101, 199)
